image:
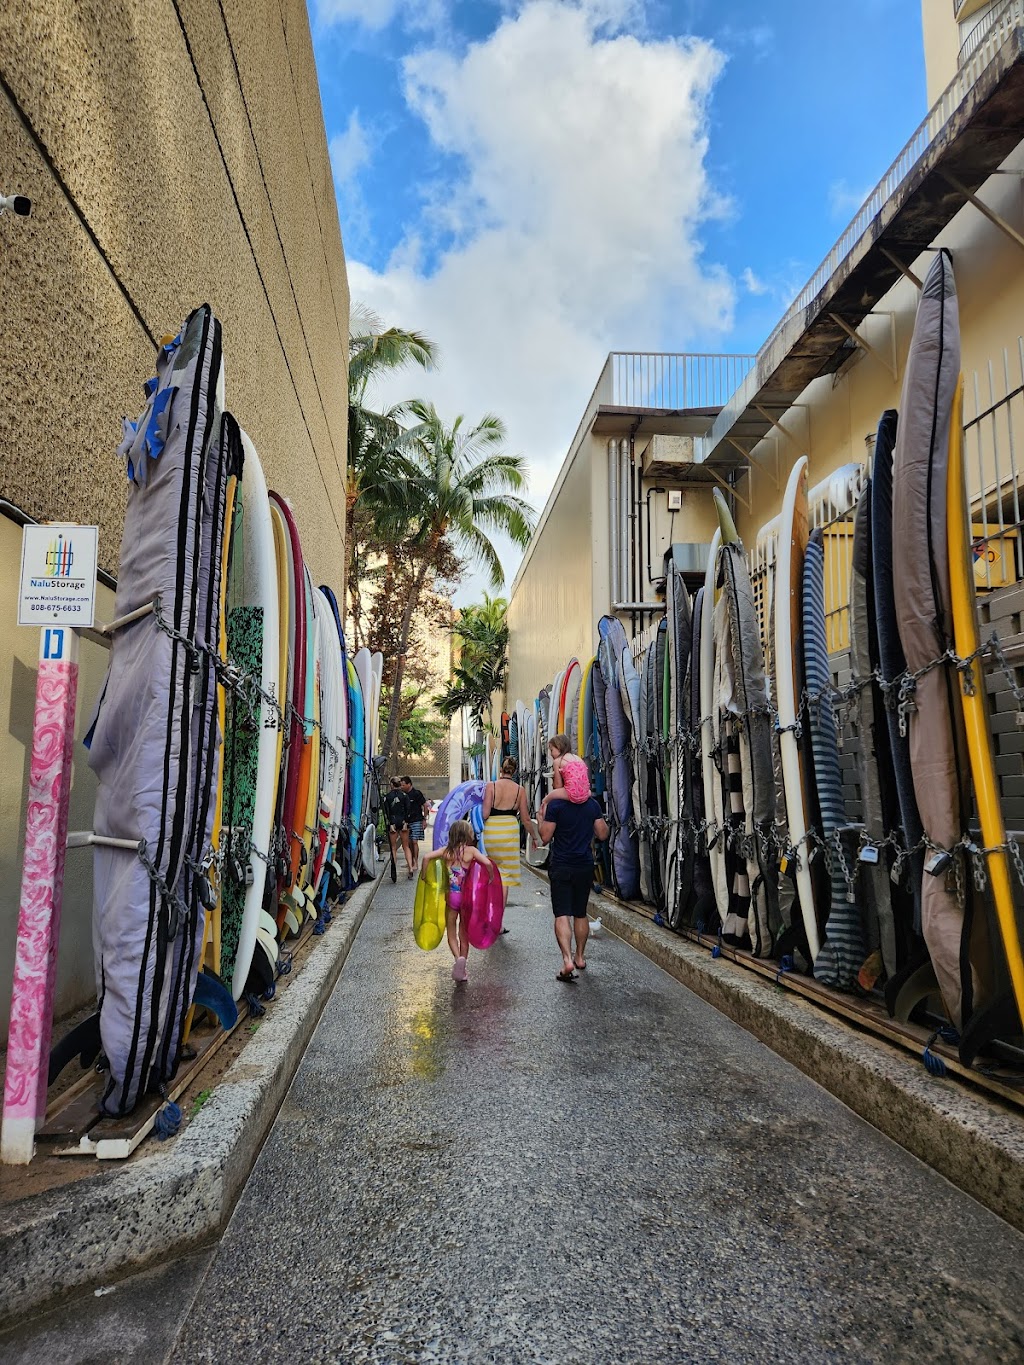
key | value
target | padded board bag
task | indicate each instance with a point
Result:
(142, 739)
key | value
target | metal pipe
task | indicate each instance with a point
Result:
(613, 514)
(623, 519)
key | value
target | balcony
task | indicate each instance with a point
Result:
(671, 381)
(998, 14)
(975, 124)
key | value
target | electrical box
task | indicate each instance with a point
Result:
(675, 499)
(665, 456)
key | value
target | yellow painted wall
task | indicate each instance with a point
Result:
(170, 163)
(941, 45)
(550, 614)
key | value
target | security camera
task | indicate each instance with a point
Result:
(15, 203)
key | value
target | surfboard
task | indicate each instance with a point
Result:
(966, 640)
(792, 545)
(297, 675)
(430, 906)
(250, 760)
(357, 761)
(286, 665)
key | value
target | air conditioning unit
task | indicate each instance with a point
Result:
(665, 456)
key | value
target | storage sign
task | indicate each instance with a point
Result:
(58, 576)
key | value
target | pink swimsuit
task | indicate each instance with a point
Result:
(456, 879)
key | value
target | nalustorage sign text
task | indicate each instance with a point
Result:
(58, 576)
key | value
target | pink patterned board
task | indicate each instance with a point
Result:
(42, 890)
(485, 900)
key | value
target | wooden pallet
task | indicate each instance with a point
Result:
(75, 1117)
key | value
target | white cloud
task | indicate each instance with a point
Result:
(752, 283)
(576, 213)
(844, 201)
(350, 151)
(378, 14)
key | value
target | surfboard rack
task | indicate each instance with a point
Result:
(75, 1117)
(74, 1126)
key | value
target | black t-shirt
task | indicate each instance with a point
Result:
(396, 810)
(574, 831)
(415, 801)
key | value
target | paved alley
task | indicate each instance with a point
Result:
(517, 1170)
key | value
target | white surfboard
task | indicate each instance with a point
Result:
(259, 576)
(788, 577)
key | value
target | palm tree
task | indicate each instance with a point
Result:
(376, 475)
(462, 488)
(482, 670)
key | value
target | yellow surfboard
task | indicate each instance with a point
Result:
(431, 905)
(966, 640)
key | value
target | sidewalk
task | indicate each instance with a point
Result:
(170, 1197)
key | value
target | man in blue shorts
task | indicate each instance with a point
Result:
(415, 803)
(571, 829)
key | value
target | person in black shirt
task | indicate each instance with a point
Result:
(396, 813)
(570, 829)
(416, 804)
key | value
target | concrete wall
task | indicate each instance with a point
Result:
(175, 154)
(551, 608)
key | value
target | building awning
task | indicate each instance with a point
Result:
(971, 130)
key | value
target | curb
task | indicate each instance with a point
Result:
(974, 1142)
(170, 1202)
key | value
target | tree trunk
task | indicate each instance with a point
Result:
(395, 705)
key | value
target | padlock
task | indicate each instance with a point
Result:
(938, 864)
(869, 854)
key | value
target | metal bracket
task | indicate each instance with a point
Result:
(785, 433)
(984, 209)
(858, 340)
(728, 487)
(903, 269)
(748, 455)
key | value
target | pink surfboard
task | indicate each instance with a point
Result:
(484, 898)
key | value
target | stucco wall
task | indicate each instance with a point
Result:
(175, 154)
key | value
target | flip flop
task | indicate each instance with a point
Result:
(566, 976)
(580, 966)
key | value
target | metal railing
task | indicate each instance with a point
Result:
(976, 37)
(1003, 23)
(993, 427)
(673, 380)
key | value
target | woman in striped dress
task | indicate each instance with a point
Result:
(504, 806)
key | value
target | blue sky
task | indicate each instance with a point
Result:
(536, 182)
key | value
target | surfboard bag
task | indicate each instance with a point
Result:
(842, 953)
(703, 888)
(625, 853)
(680, 805)
(742, 701)
(956, 936)
(150, 741)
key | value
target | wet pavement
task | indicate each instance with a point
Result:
(518, 1170)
